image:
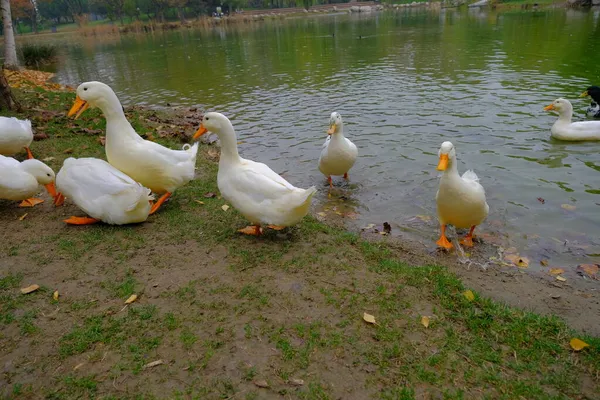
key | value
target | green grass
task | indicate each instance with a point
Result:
(222, 311)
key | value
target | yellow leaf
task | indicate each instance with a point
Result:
(131, 299)
(369, 318)
(469, 295)
(568, 207)
(322, 214)
(22, 217)
(29, 289)
(55, 295)
(425, 321)
(556, 271)
(224, 207)
(199, 202)
(560, 278)
(578, 344)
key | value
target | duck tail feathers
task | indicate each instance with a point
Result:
(192, 149)
(471, 176)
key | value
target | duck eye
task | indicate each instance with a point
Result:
(207, 118)
(84, 88)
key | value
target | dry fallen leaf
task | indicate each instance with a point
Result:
(556, 271)
(29, 289)
(102, 140)
(521, 262)
(131, 299)
(55, 295)
(322, 214)
(153, 364)
(210, 195)
(425, 321)
(47, 159)
(578, 344)
(296, 382)
(370, 226)
(199, 202)
(68, 151)
(75, 368)
(560, 278)
(469, 295)
(224, 207)
(22, 217)
(544, 263)
(369, 318)
(588, 269)
(261, 383)
(568, 207)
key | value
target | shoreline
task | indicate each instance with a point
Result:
(220, 314)
(501, 278)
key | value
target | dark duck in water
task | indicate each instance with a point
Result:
(594, 109)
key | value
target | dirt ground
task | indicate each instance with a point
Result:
(220, 315)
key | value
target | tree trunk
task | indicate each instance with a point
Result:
(10, 50)
(7, 99)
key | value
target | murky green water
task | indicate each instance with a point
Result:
(404, 82)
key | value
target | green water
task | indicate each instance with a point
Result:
(404, 82)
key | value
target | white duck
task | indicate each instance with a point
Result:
(254, 189)
(564, 129)
(339, 153)
(154, 166)
(21, 180)
(102, 192)
(460, 200)
(15, 135)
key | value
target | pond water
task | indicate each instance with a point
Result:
(404, 82)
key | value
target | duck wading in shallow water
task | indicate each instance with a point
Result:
(21, 180)
(339, 153)
(15, 135)
(564, 129)
(102, 192)
(593, 111)
(254, 189)
(154, 166)
(460, 199)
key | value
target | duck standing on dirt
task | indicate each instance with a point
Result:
(460, 199)
(339, 153)
(154, 166)
(255, 190)
(593, 111)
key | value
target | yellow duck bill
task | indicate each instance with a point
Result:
(78, 107)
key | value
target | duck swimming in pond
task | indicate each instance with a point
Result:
(593, 111)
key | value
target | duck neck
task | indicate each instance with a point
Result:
(338, 136)
(229, 150)
(111, 107)
(565, 116)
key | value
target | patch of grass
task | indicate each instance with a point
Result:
(188, 338)
(37, 55)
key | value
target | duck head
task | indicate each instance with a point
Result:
(42, 173)
(447, 156)
(561, 106)
(93, 94)
(593, 92)
(335, 123)
(212, 122)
